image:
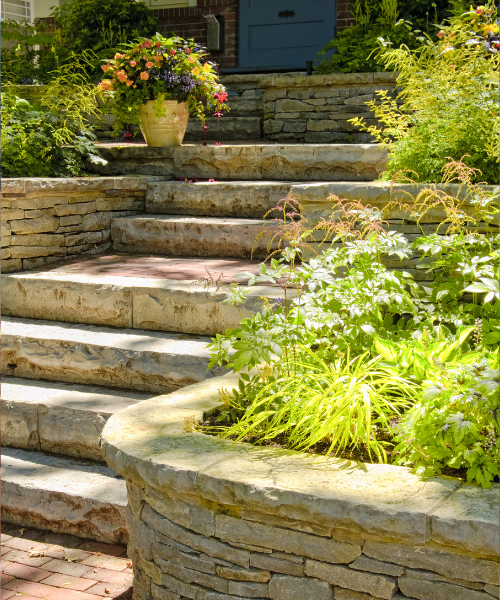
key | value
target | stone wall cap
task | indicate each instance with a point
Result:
(64, 185)
(332, 79)
(149, 442)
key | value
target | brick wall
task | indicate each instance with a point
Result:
(189, 23)
(344, 16)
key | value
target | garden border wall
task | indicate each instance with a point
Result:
(213, 520)
(47, 219)
(317, 109)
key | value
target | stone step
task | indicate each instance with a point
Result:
(244, 199)
(119, 358)
(139, 292)
(249, 161)
(195, 236)
(63, 495)
(60, 418)
(233, 127)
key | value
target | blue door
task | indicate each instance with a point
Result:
(283, 34)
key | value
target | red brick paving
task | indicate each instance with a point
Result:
(34, 570)
(157, 267)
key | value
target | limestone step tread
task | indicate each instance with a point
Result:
(60, 418)
(63, 495)
(183, 235)
(247, 199)
(246, 160)
(139, 292)
(121, 358)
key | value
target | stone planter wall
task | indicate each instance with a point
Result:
(212, 520)
(45, 220)
(316, 109)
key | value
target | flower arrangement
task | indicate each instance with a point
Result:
(160, 69)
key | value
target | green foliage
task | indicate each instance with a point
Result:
(103, 24)
(51, 139)
(34, 53)
(346, 303)
(455, 423)
(344, 403)
(355, 46)
(449, 100)
(161, 69)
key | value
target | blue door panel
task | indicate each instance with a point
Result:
(283, 34)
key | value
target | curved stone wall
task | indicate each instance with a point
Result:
(213, 520)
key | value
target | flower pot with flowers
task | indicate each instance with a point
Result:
(157, 82)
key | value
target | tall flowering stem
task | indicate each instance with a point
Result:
(161, 69)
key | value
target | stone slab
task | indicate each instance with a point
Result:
(126, 358)
(195, 236)
(438, 590)
(469, 519)
(219, 198)
(106, 296)
(57, 417)
(237, 127)
(63, 496)
(337, 162)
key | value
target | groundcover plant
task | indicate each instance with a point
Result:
(344, 362)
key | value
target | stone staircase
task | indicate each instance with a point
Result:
(85, 338)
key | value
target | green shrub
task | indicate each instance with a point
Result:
(345, 305)
(449, 97)
(34, 53)
(455, 423)
(355, 47)
(52, 138)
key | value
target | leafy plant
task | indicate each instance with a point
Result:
(161, 69)
(344, 403)
(455, 423)
(53, 138)
(355, 46)
(448, 105)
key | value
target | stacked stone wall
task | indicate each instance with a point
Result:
(46, 220)
(317, 109)
(213, 520)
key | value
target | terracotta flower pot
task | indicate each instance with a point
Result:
(164, 131)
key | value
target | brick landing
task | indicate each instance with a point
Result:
(53, 566)
(156, 267)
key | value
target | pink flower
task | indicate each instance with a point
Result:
(133, 63)
(127, 135)
(212, 181)
(144, 75)
(144, 57)
(172, 52)
(440, 34)
(218, 144)
(187, 50)
(147, 44)
(149, 64)
(158, 44)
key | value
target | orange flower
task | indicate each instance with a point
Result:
(105, 67)
(144, 75)
(149, 64)
(133, 63)
(117, 56)
(129, 83)
(122, 76)
(105, 85)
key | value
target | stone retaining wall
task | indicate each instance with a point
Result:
(317, 109)
(213, 520)
(45, 220)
